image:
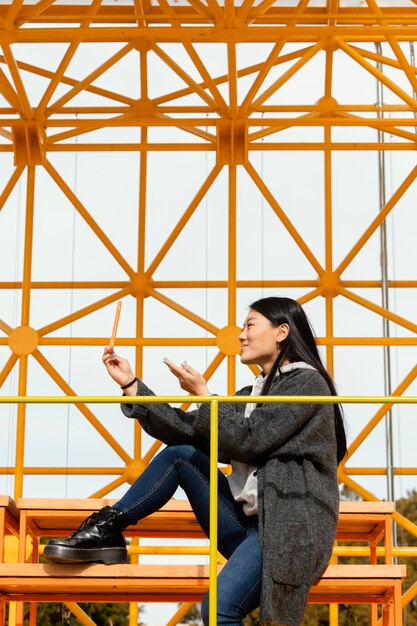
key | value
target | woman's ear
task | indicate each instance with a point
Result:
(282, 332)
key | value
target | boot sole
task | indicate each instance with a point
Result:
(107, 556)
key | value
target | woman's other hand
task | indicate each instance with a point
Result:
(120, 370)
(190, 380)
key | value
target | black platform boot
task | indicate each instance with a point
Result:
(99, 539)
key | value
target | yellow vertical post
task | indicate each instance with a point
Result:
(231, 283)
(214, 418)
(26, 292)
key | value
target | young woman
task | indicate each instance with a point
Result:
(278, 509)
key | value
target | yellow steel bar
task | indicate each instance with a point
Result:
(179, 613)
(10, 185)
(95, 423)
(184, 219)
(270, 61)
(403, 95)
(380, 58)
(310, 296)
(311, 52)
(27, 263)
(75, 471)
(205, 147)
(229, 13)
(81, 615)
(381, 125)
(405, 523)
(328, 229)
(232, 74)
(406, 382)
(207, 79)
(9, 93)
(214, 416)
(68, 319)
(283, 217)
(243, 10)
(396, 196)
(117, 482)
(271, 129)
(115, 58)
(40, 71)
(121, 341)
(20, 430)
(410, 594)
(232, 268)
(66, 60)
(232, 247)
(88, 218)
(183, 311)
(210, 34)
(7, 368)
(210, 284)
(142, 193)
(380, 471)
(12, 12)
(15, 74)
(183, 75)
(34, 11)
(251, 69)
(151, 452)
(393, 317)
(404, 65)
(5, 327)
(207, 399)
(361, 491)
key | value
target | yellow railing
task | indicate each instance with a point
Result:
(214, 401)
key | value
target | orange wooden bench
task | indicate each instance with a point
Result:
(9, 521)
(367, 521)
(363, 584)
(56, 517)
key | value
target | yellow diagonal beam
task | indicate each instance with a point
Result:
(184, 219)
(183, 75)
(283, 218)
(396, 196)
(88, 218)
(115, 58)
(178, 308)
(114, 484)
(87, 310)
(367, 304)
(311, 52)
(7, 368)
(97, 425)
(354, 54)
(10, 185)
(270, 61)
(18, 83)
(66, 60)
(360, 438)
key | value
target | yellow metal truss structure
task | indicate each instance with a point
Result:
(78, 78)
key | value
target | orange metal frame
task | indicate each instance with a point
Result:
(219, 121)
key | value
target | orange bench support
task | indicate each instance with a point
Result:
(374, 584)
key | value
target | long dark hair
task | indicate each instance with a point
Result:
(299, 345)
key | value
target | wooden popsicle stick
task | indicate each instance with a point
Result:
(115, 325)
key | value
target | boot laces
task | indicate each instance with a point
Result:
(89, 521)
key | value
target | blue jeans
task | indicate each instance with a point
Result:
(239, 582)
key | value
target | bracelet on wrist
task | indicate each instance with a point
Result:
(128, 384)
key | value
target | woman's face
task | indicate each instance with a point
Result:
(259, 341)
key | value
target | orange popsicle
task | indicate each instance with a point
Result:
(115, 325)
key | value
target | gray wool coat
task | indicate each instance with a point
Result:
(294, 446)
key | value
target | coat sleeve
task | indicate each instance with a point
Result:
(269, 426)
(162, 421)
